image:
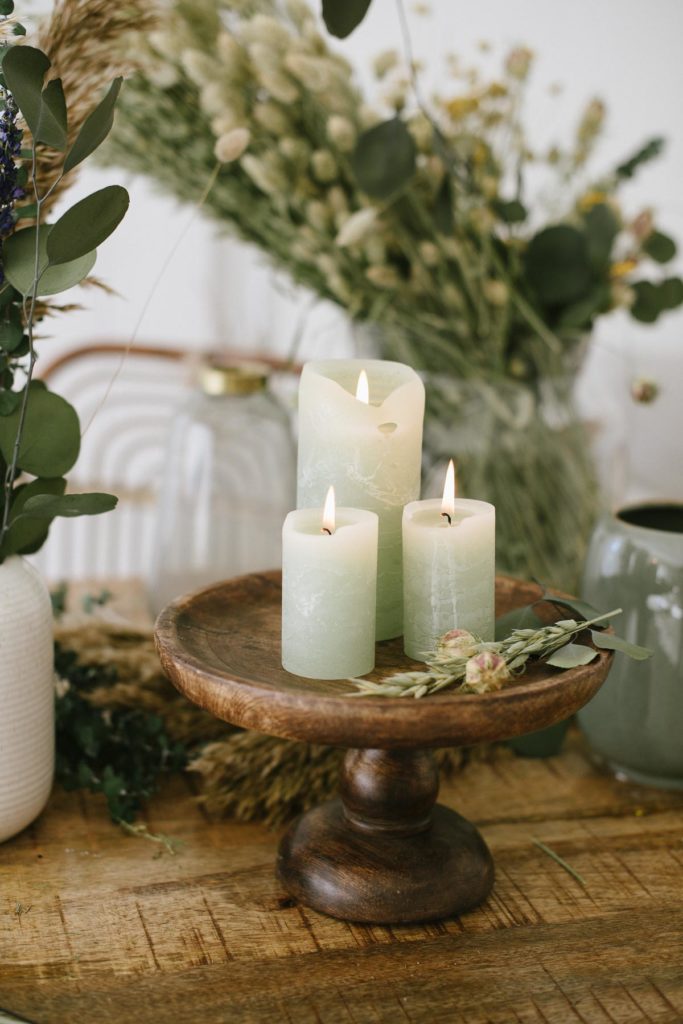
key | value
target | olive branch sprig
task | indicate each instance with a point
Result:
(479, 666)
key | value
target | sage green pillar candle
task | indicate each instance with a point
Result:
(449, 550)
(365, 437)
(329, 584)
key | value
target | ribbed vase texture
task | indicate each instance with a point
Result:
(26, 696)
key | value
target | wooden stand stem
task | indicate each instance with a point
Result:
(385, 852)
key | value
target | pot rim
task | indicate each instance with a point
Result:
(644, 504)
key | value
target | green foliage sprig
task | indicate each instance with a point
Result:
(39, 430)
(475, 666)
(119, 753)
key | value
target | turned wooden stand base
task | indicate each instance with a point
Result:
(384, 852)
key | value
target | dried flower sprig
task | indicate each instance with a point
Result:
(480, 666)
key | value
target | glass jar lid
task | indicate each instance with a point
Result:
(217, 378)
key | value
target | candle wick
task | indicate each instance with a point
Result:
(325, 530)
(445, 515)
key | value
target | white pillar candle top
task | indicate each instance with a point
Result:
(370, 450)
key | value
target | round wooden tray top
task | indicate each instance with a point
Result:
(221, 648)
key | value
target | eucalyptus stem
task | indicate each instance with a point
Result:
(13, 465)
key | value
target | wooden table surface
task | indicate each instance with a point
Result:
(100, 927)
(97, 926)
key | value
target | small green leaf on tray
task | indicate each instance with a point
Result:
(582, 609)
(571, 656)
(518, 618)
(610, 642)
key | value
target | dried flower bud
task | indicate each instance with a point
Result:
(318, 215)
(486, 671)
(272, 117)
(324, 165)
(232, 145)
(264, 175)
(198, 67)
(315, 73)
(278, 85)
(231, 54)
(213, 99)
(336, 197)
(422, 132)
(496, 292)
(644, 390)
(622, 295)
(430, 253)
(383, 277)
(356, 227)
(384, 62)
(341, 132)
(643, 225)
(518, 62)
(459, 643)
(263, 29)
(296, 150)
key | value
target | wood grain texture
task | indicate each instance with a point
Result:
(383, 853)
(221, 648)
(109, 932)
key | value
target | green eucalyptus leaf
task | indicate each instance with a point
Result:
(6, 7)
(19, 262)
(95, 128)
(27, 535)
(557, 265)
(518, 618)
(51, 438)
(610, 642)
(87, 224)
(443, 207)
(24, 68)
(27, 210)
(342, 16)
(571, 655)
(647, 152)
(581, 609)
(51, 128)
(511, 211)
(11, 336)
(602, 228)
(671, 292)
(9, 401)
(384, 159)
(18, 29)
(647, 305)
(659, 247)
(45, 506)
(580, 314)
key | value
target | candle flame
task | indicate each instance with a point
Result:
(363, 388)
(448, 502)
(329, 516)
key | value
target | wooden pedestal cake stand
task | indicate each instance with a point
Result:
(384, 851)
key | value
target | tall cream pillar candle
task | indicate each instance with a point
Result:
(448, 569)
(360, 427)
(329, 584)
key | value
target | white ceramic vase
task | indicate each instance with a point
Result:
(27, 744)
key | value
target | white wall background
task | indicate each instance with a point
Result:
(217, 292)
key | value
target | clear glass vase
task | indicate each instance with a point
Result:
(521, 446)
(229, 481)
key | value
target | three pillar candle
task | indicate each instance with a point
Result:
(418, 567)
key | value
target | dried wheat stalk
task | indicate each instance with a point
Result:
(86, 42)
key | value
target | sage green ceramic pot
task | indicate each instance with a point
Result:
(635, 722)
